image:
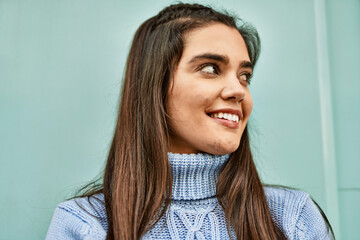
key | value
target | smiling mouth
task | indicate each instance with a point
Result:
(226, 116)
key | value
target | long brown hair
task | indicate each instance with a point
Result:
(137, 182)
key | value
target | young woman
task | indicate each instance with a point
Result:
(180, 165)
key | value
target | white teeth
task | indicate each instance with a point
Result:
(228, 116)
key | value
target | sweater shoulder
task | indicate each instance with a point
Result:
(281, 196)
(79, 218)
(296, 214)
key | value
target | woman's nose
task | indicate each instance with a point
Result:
(233, 90)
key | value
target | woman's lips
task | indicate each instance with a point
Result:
(227, 123)
(226, 116)
(226, 119)
(223, 111)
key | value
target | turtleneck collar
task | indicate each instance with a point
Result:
(195, 175)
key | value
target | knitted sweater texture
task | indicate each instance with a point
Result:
(194, 212)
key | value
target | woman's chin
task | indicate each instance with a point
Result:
(223, 150)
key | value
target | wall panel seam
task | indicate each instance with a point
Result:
(328, 141)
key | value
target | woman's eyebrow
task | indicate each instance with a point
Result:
(212, 56)
(221, 58)
(246, 64)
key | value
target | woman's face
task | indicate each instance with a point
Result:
(209, 102)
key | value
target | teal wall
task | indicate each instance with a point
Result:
(344, 52)
(61, 66)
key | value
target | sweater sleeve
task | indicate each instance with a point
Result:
(311, 224)
(73, 223)
(296, 214)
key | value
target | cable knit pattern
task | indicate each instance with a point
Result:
(194, 212)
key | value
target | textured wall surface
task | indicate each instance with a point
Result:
(61, 65)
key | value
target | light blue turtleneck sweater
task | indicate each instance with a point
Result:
(194, 212)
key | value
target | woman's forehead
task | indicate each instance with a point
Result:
(217, 39)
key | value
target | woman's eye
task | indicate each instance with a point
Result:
(245, 77)
(210, 69)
